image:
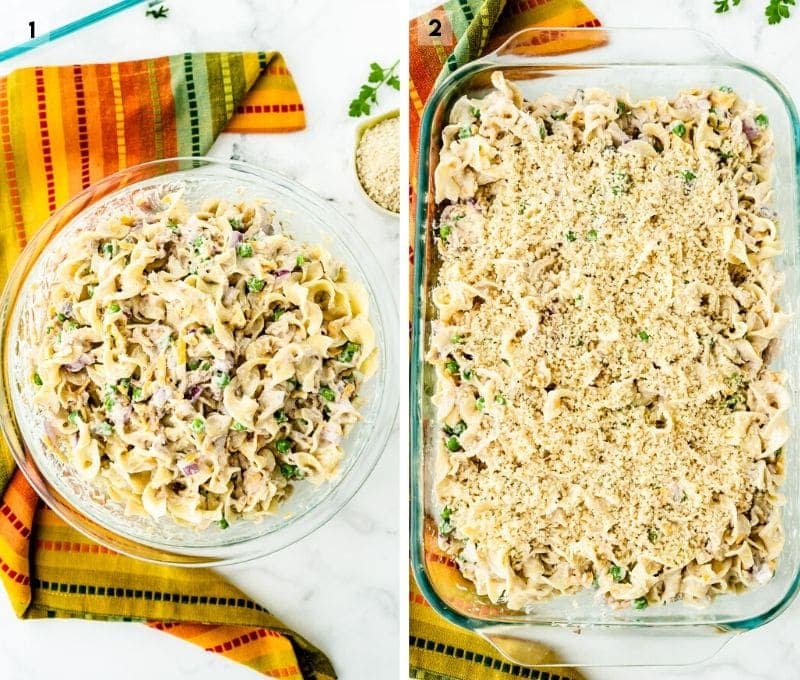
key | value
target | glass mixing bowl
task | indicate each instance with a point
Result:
(305, 216)
(577, 630)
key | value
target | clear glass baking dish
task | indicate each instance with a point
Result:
(302, 214)
(577, 630)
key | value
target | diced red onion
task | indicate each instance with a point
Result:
(79, 364)
(193, 392)
(189, 468)
(282, 272)
(751, 131)
(235, 238)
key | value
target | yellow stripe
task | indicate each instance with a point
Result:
(227, 86)
(413, 95)
(155, 101)
(486, 26)
(119, 114)
(28, 156)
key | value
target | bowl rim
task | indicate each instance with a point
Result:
(340, 490)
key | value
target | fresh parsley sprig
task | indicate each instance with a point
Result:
(368, 94)
(775, 11)
(723, 6)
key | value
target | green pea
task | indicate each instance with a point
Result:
(114, 308)
(453, 444)
(198, 425)
(283, 445)
(291, 471)
(280, 416)
(350, 349)
(255, 285)
(762, 120)
(480, 403)
(679, 129)
(37, 380)
(245, 250)
(238, 427)
(640, 603)
(137, 393)
(223, 523)
(616, 573)
(327, 393)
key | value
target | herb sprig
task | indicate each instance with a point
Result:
(368, 94)
(159, 12)
(775, 11)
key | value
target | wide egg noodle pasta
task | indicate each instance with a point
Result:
(606, 317)
(194, 365)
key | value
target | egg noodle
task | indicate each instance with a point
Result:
(606, 317)
(195, 365)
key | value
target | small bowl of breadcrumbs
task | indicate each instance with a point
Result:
(377, 161)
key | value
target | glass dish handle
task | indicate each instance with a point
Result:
(546, 647)
(608, 46)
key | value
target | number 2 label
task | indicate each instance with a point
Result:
(434, 29)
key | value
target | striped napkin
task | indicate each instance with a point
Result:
(440, 650)
(61, 129)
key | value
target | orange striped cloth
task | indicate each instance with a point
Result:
(467, 29)
(61, 129)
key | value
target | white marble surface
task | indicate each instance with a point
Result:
(339, 587)
(770, 652)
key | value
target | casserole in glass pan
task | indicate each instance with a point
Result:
(579, 630)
